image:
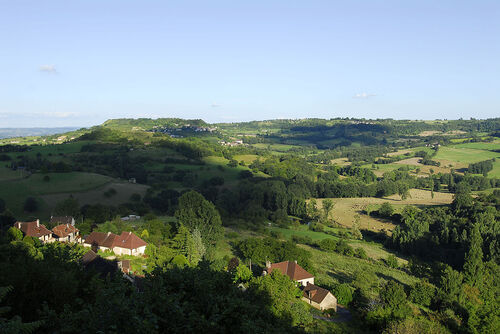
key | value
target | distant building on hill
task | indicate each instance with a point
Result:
(36, 230)
(126, 243)
(62, 220)
(292, 270)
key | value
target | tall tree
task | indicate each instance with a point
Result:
(473, 266)
(195, 212)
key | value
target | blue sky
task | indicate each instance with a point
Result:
(78, 63)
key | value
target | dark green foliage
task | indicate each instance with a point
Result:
(68, 207)
(386, 210)
(422, 293)
(344, 293)
(2, 205)
(30, 204)
(269, 249)
(482, 167)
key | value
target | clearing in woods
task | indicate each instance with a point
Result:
(347, 210)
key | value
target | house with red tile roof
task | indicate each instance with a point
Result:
(36, 230)
(319, 298)
(292, 270)
(65, 233)
(126, 243)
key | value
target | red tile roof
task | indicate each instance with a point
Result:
(101, 239)
(291, 269)
(110, 240)
(63, 230)
(315, 293)
(33, 229)
(129, 240)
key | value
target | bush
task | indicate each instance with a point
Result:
(360, 253)
(422, 293)
(386, 210)
(46, 178)
(343, 293)
(392, 261)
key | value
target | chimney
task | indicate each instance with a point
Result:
(295, 261)
(38, 223)
(268, 264)
(109, 233)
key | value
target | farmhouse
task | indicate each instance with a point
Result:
(36, 230)
(66, 233)
(292, 270)
(126, 243)
(319, 298)
(62, 220)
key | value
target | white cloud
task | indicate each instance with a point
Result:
(363, 95)
(48, 69)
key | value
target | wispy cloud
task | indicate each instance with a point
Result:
(215, 105)
(363, 95)
(48, 69)
(58, 114)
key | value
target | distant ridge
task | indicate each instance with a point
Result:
(25, 132)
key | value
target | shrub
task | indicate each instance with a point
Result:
(360, 253)
(392, 261)
(343, 293)
(422, 293)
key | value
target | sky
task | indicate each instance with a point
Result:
(81, 62)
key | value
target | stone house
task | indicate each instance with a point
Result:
(126, 243)
(292, 270)
(66, 233)
(319, 298)
(36, 230)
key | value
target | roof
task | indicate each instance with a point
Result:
(101, 239)
(291, 269)
(33, 229)
(315, 293)
(110, 240)
(63, 230)
(62, 220)
(129, 240)
(93, 262)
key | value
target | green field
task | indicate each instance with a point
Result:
(472, 152)
(333, 268)
(15, 192)
(373, 250)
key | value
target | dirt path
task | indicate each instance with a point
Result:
(343, 315)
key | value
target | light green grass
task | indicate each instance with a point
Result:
(374, 250)
(333, 268)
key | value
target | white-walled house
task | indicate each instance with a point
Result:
(36, 230)
(65, 233)
(126, 243)
(292, 270)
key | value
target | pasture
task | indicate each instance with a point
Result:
(347, 210)
(332, 268)
(15, 191)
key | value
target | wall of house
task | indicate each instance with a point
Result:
(329, 302)
(305, 281)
